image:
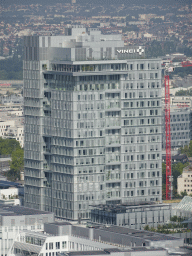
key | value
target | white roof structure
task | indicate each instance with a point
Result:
(185, 204)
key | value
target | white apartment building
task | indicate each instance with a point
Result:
(10, 129)
(16, 219)
(62, 238)
(10, 195)
(184, 181)
(92, 122)
(5, 125)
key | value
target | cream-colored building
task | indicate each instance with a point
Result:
(184, 181)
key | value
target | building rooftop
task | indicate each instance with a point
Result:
(112, 250)
(19, 210)
(188, 168)
(136, 233)
(6, 184)
(119, 208)
(60, 223)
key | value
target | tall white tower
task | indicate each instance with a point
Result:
(92, 122)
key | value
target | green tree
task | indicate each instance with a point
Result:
(187, 150)
(146, 227)
(17, 160)
(17, 164)
(7, 146)
(163, 173)
(174, 218)
(184, 193)
(13, 148)
(177, 170)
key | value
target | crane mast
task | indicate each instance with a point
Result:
(168, 139)
(169, 68)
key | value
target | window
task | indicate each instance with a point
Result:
(57, 245)
(50, 246)
(64, 244)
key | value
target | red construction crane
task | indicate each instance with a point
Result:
(169, 68)
(168, 139)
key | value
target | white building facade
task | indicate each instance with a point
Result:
(16, 219)
(79, 240)
(184, 181)
(180, 124)
(92, 122)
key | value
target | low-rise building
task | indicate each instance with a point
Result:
(181, 102)
(9, 196)
(61, 238)
(132, 215)
(13, 130)
(15, 219)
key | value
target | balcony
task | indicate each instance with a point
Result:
(46, 150)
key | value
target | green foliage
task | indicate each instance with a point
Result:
(187, 150)
(163, 173)
(130, 28)
(11, 69)
(170, 228)
(177, 170)
(182, 72)
(17, 164)
(12, 147)
(146, 227)
(157, 20)
(174, 218)
(177, 219)
(17, 160)
(156, 48)
(184, 193)
(7, 146)
(184, 93)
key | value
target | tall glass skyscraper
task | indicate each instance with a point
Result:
(92, 122)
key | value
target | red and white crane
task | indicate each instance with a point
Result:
(169, 68)
(168, 139)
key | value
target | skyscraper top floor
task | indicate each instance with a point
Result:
(79, 44)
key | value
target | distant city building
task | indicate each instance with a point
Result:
(12, 99)
(92, 122)
(180, 121)
(181, 101)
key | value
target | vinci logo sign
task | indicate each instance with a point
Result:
(140, 50)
